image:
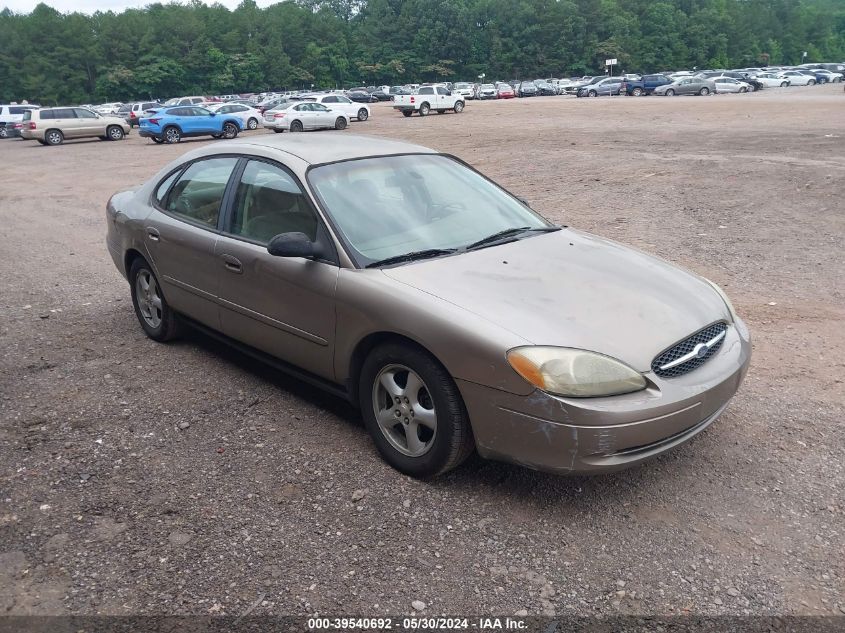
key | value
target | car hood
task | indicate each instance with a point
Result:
(572, 289)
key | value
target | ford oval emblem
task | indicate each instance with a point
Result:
(701, 350)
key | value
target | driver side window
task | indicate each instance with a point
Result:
(269, 202)
(198, 193)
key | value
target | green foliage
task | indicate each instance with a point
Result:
(193, 48)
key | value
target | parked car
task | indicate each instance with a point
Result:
(645, 85)
(361, 96)
(771, 80)
(428, 98)
(488, 91)
(464, 89)
(399, 90)
(605, 87)
(181, 101)
(504, 91)
(544, 88)
(381, 95)
(823, 76)
(730, 85)
(107, 109)
(51, 126)
(298, 117)
(11, 114)
(171, 125)
(267, 104)
(343, 104)
(797, 78)
(527, 89)
(451, 314)
(574, 87)
(687, 86)
(132, 112)
(249, 117)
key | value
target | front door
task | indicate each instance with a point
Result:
(284, 306)
(180, 235)
(88, 123)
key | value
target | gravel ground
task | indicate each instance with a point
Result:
(186, 479)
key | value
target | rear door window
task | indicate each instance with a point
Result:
(198, 193)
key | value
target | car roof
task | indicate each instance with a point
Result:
(316, 149)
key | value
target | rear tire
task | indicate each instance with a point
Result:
(407, 112)
(252, 124)
(425, 109)
(277, 131)
(157, 140)
(54, 137)
(4, 133)
(435, 399)
(296, 126)
(157, 320)
(114, 133)
(340, 123)
(363, 115)
(704, 92)
(172, 135)
(812, 82)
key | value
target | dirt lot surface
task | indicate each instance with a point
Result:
(274, 497)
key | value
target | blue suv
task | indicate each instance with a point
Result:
(171, 125)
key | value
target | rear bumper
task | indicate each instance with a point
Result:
(595, 435)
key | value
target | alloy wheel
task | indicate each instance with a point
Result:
(149, 299)
(404, 410)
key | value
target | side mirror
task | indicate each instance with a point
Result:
(293, 245)
(212, 114)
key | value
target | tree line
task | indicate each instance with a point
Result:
(176, 49)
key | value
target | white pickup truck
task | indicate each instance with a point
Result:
(429, 98)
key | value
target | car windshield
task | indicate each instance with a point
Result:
(386, 207)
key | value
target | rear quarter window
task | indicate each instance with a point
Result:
(46, 114)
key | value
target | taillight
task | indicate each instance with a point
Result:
(412, 99)
(154, 121)
(131, 115)
(32, 125)
(279, 115)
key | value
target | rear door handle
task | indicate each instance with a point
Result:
(153, 234)
(232, 264)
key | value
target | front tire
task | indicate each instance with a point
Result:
(115, 133)
(743, 89)
(230, 130)
(4, 133)
(340, 123)
(812, 82)
(414, 411)
(459, 107)
(670, 93)
(363, 115)
(637, 92)
(784, 84)
(407, 113)
(592, 93)
(157, 320)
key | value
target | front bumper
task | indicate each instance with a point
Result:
(595, 435)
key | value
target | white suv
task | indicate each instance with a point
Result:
(11, 114)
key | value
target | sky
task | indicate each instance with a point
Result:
(90, 6)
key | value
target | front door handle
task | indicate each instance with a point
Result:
(153, 234)
(232, 264)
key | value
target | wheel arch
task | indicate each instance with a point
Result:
(368, 344)
(234, 122)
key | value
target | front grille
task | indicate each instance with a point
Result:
(686, 347)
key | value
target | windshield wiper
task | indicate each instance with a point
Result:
(507, 233)
(409, 257)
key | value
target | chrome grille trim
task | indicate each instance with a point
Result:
(690, 353)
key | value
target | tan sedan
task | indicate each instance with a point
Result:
(51, 126)
(451, 313)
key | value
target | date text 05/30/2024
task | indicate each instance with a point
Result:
(417, 624)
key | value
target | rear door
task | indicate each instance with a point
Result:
(64, 119)
(284, 306)
(181, 232)
(88, 123)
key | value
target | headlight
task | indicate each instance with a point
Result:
(574, 372)
(727, 301)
